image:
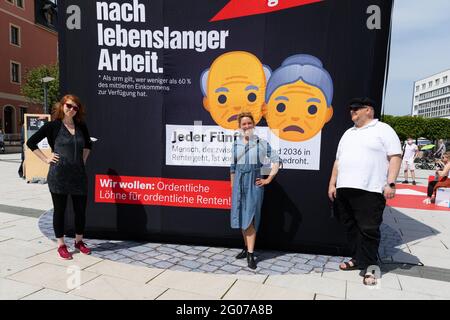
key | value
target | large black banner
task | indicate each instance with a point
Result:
(163, 82)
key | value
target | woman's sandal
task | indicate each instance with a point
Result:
(348, 266)
(367, 276)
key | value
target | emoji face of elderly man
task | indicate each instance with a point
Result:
(298, 99)
(235, 83)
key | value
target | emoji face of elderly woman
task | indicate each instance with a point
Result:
(235, 83)
(298, 110)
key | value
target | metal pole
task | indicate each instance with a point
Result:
(45, 98)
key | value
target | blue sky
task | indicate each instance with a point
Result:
(420, 47)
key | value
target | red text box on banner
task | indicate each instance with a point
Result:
(240, 8)
(163, 191)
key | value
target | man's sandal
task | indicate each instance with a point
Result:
(349, 267)
(371, 276)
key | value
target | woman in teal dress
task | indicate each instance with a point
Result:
(249, 153)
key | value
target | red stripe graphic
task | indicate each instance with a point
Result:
(163, 191)
(242, 8)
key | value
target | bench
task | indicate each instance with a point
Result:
(443, 197)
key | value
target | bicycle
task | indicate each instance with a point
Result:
(425, 164)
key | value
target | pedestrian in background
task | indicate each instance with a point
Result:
(410, 153)
(2, 141)
(440, 150)
(22, 153)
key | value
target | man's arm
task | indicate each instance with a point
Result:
(333, 180)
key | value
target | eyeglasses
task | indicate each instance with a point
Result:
(72, 106)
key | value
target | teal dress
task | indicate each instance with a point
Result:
(249, 161)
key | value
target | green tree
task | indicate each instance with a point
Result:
(390, 120)
(437, 128)
(33, 87)
(406, 126)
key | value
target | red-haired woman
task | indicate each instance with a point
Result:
(69, 140)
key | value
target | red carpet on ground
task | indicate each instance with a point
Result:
(409, 196)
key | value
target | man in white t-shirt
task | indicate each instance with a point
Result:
(410, 154)
(367, 164)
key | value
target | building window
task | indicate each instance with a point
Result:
(49, 12)
(424, 86)
(15, 72)
(445, 79)
(417, 88)
(49, 17)
(430, 84)
(14, 35)
(437, 82)
(18, 3)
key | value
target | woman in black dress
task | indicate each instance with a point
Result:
(70, 142)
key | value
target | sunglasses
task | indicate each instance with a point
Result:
(355, 109)
(72, 106)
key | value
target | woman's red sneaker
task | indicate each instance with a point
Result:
(64, 253)
(81, 246)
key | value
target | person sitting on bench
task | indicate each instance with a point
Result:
(442, 182)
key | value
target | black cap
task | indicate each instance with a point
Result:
(360, 102)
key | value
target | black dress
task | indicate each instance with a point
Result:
(68, 175)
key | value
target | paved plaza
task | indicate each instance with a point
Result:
(414, 249)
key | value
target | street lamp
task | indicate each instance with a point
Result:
(44, 81)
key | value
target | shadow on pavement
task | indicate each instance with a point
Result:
(397, 231)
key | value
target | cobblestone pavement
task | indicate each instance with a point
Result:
(31, 269)
(214, 259)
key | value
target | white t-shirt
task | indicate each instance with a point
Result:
(362, 154)
(410, 152)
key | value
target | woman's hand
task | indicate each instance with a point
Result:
(53, 159)
(86, 153)
(332, 192)
(262, 182)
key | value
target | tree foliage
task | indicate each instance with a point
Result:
(437, 128)
(418, 127)
(33, 87)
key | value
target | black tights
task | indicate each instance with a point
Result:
(59, 208)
